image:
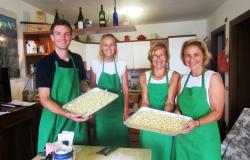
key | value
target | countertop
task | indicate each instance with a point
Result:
(89, 153)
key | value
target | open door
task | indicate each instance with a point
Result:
(217, 47)
(239, 74)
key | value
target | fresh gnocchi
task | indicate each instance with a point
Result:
(90, 102)
(157, 121)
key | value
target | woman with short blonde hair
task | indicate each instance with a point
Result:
(201, 45)
(158, 91)
(201, 97)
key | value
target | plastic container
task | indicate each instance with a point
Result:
(64, 153)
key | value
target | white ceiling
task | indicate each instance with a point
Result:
(154, 11)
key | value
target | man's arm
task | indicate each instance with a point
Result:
(47, 102)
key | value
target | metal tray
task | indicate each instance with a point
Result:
(90, 102)
(157, 121)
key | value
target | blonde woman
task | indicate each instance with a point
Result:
(158, 90)
(201, 96)
(110, 73)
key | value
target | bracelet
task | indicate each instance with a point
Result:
(198, 123)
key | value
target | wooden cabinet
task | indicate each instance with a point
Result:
(42, 39)
(19, 132)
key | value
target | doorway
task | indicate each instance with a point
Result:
(217, 47)
(239, 74)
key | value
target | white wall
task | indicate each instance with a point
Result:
(163, 30)
(22, 12)
(78, 48)
(230, 10)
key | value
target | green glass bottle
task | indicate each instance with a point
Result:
(56, 16)
(102, 17)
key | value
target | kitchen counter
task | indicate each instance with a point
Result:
(89, 153)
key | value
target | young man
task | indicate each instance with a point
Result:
(60, 77)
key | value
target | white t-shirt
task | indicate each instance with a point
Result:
(163, 80)
(109, 67)
(197, 81)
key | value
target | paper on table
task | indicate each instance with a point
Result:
(21, 103)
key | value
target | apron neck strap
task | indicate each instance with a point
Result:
(56, 62)
(150, 77)
(203, 79)
(72, 61)
(103, 67)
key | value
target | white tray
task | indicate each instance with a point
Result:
(157, 121)
(90, 102)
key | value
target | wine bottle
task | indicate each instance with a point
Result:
(56, 16)
(102, 17)
(80, 20)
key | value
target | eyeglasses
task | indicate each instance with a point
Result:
(161, 56)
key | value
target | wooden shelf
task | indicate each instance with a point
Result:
(25, 22)
(91, 30)
(37, 54)
(37, 33)
(99, 30)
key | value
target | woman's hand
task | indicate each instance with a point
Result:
(77, 117)
(177, 111)
(190, 126)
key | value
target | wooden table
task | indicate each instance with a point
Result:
(89, 153)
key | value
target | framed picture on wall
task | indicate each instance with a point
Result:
(8, 43)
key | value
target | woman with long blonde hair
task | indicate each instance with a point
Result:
(110, 73)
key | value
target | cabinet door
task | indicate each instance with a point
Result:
(125, 53)
(91, 53)
(140, 52)
(175, 62)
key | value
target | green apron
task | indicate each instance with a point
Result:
(110, 130)
(203, 142)
(66, 86)
(160, 144)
